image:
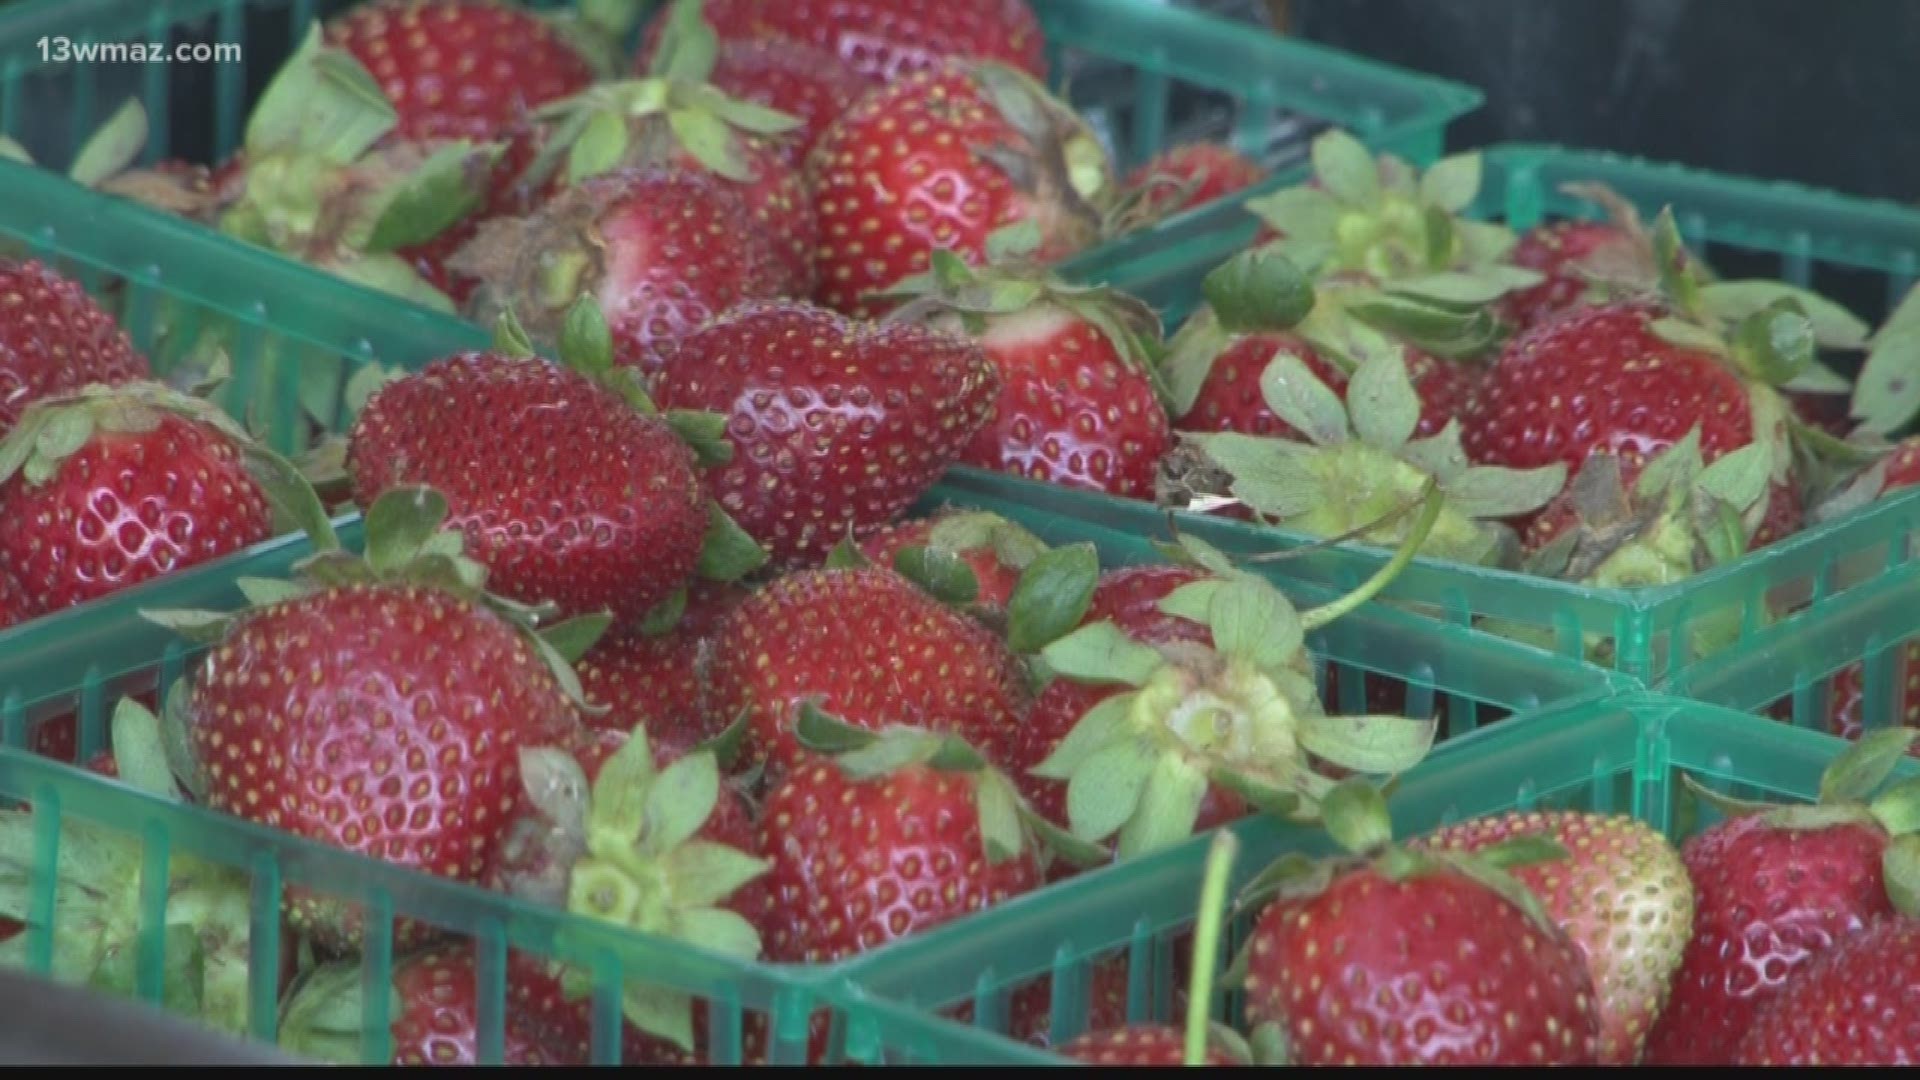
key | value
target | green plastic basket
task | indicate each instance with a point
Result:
(1787, 671)
(1864, 250)
(1147, 75)
(1621, 756)
(84, 660)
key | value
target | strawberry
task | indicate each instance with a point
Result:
(1565, 252)
(104, 917)
(651, 848)
(1822, 411)
(1847, 697)
(112, 486)
(1184, 734)
(996, 551)
(945, 159)
(1363, 463)
(401, 736)
(1190, 175)
(1393, 956)
(674, 116)
(1854, 1005)
(1621, 524)
(835, 425)
(566, 489)
(1621, 895)
(435, 1019)
(794, 78)
(13, 602)
(1775, 887)
(1139, 1045)
(662, 251)
(1078, 401)
(1229, 396)
(868, 646)
(887, 39)
(459, 68)
(659, 680)
(55, 339)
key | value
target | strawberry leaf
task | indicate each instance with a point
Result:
(728, 553)
(942, 574)
(1263, 797)
(1887, 394)
(824, 733)
(708, 139)
(846, 555)
(113, 147)
(1258, 289)
(399, 523)
(1346, 169)
(1383, 405)
(1834, 327)
(1296, 395)
(432, 197)
(1002, 833)
(1293, 874)
(664, 616)
(665, 1013)
(1169, 805)
(1865, 765)
(1452, 183)
(1102, 654)
(1490, 491)
(1102, 725)
(1355, 814)
(556, 786)
(703, 873)
(1052, 596)
(1251, 621)
(1372, 744)
(705, 433)
(139, 750)
(1521, 851)
(1106, 791)
(1900, 867)
(679, 801)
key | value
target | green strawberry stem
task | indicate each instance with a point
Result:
(1431, 503)
(1206, 941)
(1258, 289)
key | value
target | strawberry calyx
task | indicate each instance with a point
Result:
(1381, 217)
(641, 121)
(728, 553)
(407, 543)
(323, 1017)
(952, 293)
(1360, 465)
(98, 902)
(631, 856)
(1008, 825)
(1065, 171)
(1243, 716)
(55, 428)
(1680, 517)
(1886, 395)
(325, 183)
(1855, 789)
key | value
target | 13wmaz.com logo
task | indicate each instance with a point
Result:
(63, 50)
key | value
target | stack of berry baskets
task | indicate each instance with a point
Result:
(1646, 830)
(1512, 318)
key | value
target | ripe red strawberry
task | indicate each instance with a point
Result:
(943, 160)
(596, 833)
(662, 250)
(794, 78)
(565, 491)
(1561, 250)
(1190, 175)
(994, 549)
(659, 681)
(110, 487)
(1401, 958)
(1229, 397)
(1124, 738)
(1848, 694)
(1852, 1006)
(379, 707)
(836, 425)
(867, 646)
(505, 197)
(864, 853)
(54, 338)
(1621, 895)
(885, 39)
(459, 68)
(1078, 403)
(1774, 888)
(1139, 1045)
(436, 1019)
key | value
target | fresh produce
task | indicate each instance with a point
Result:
(995, 553)
(1854, 1005)
(107, 487)
(1138, 1045)
(1394, 956)
(792, 77)
(1775, 887)
(657, 677)
(1190, 175)
(661, 249)
(945, 159)
(1079, 403)
(1621, 894)
(378, 705)
(867, 646)
(886, 39)
(1156, 733)
(674, 116)
(569, 487)
(834, 425)
(55, 339)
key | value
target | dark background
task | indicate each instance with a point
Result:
(1824, 92)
